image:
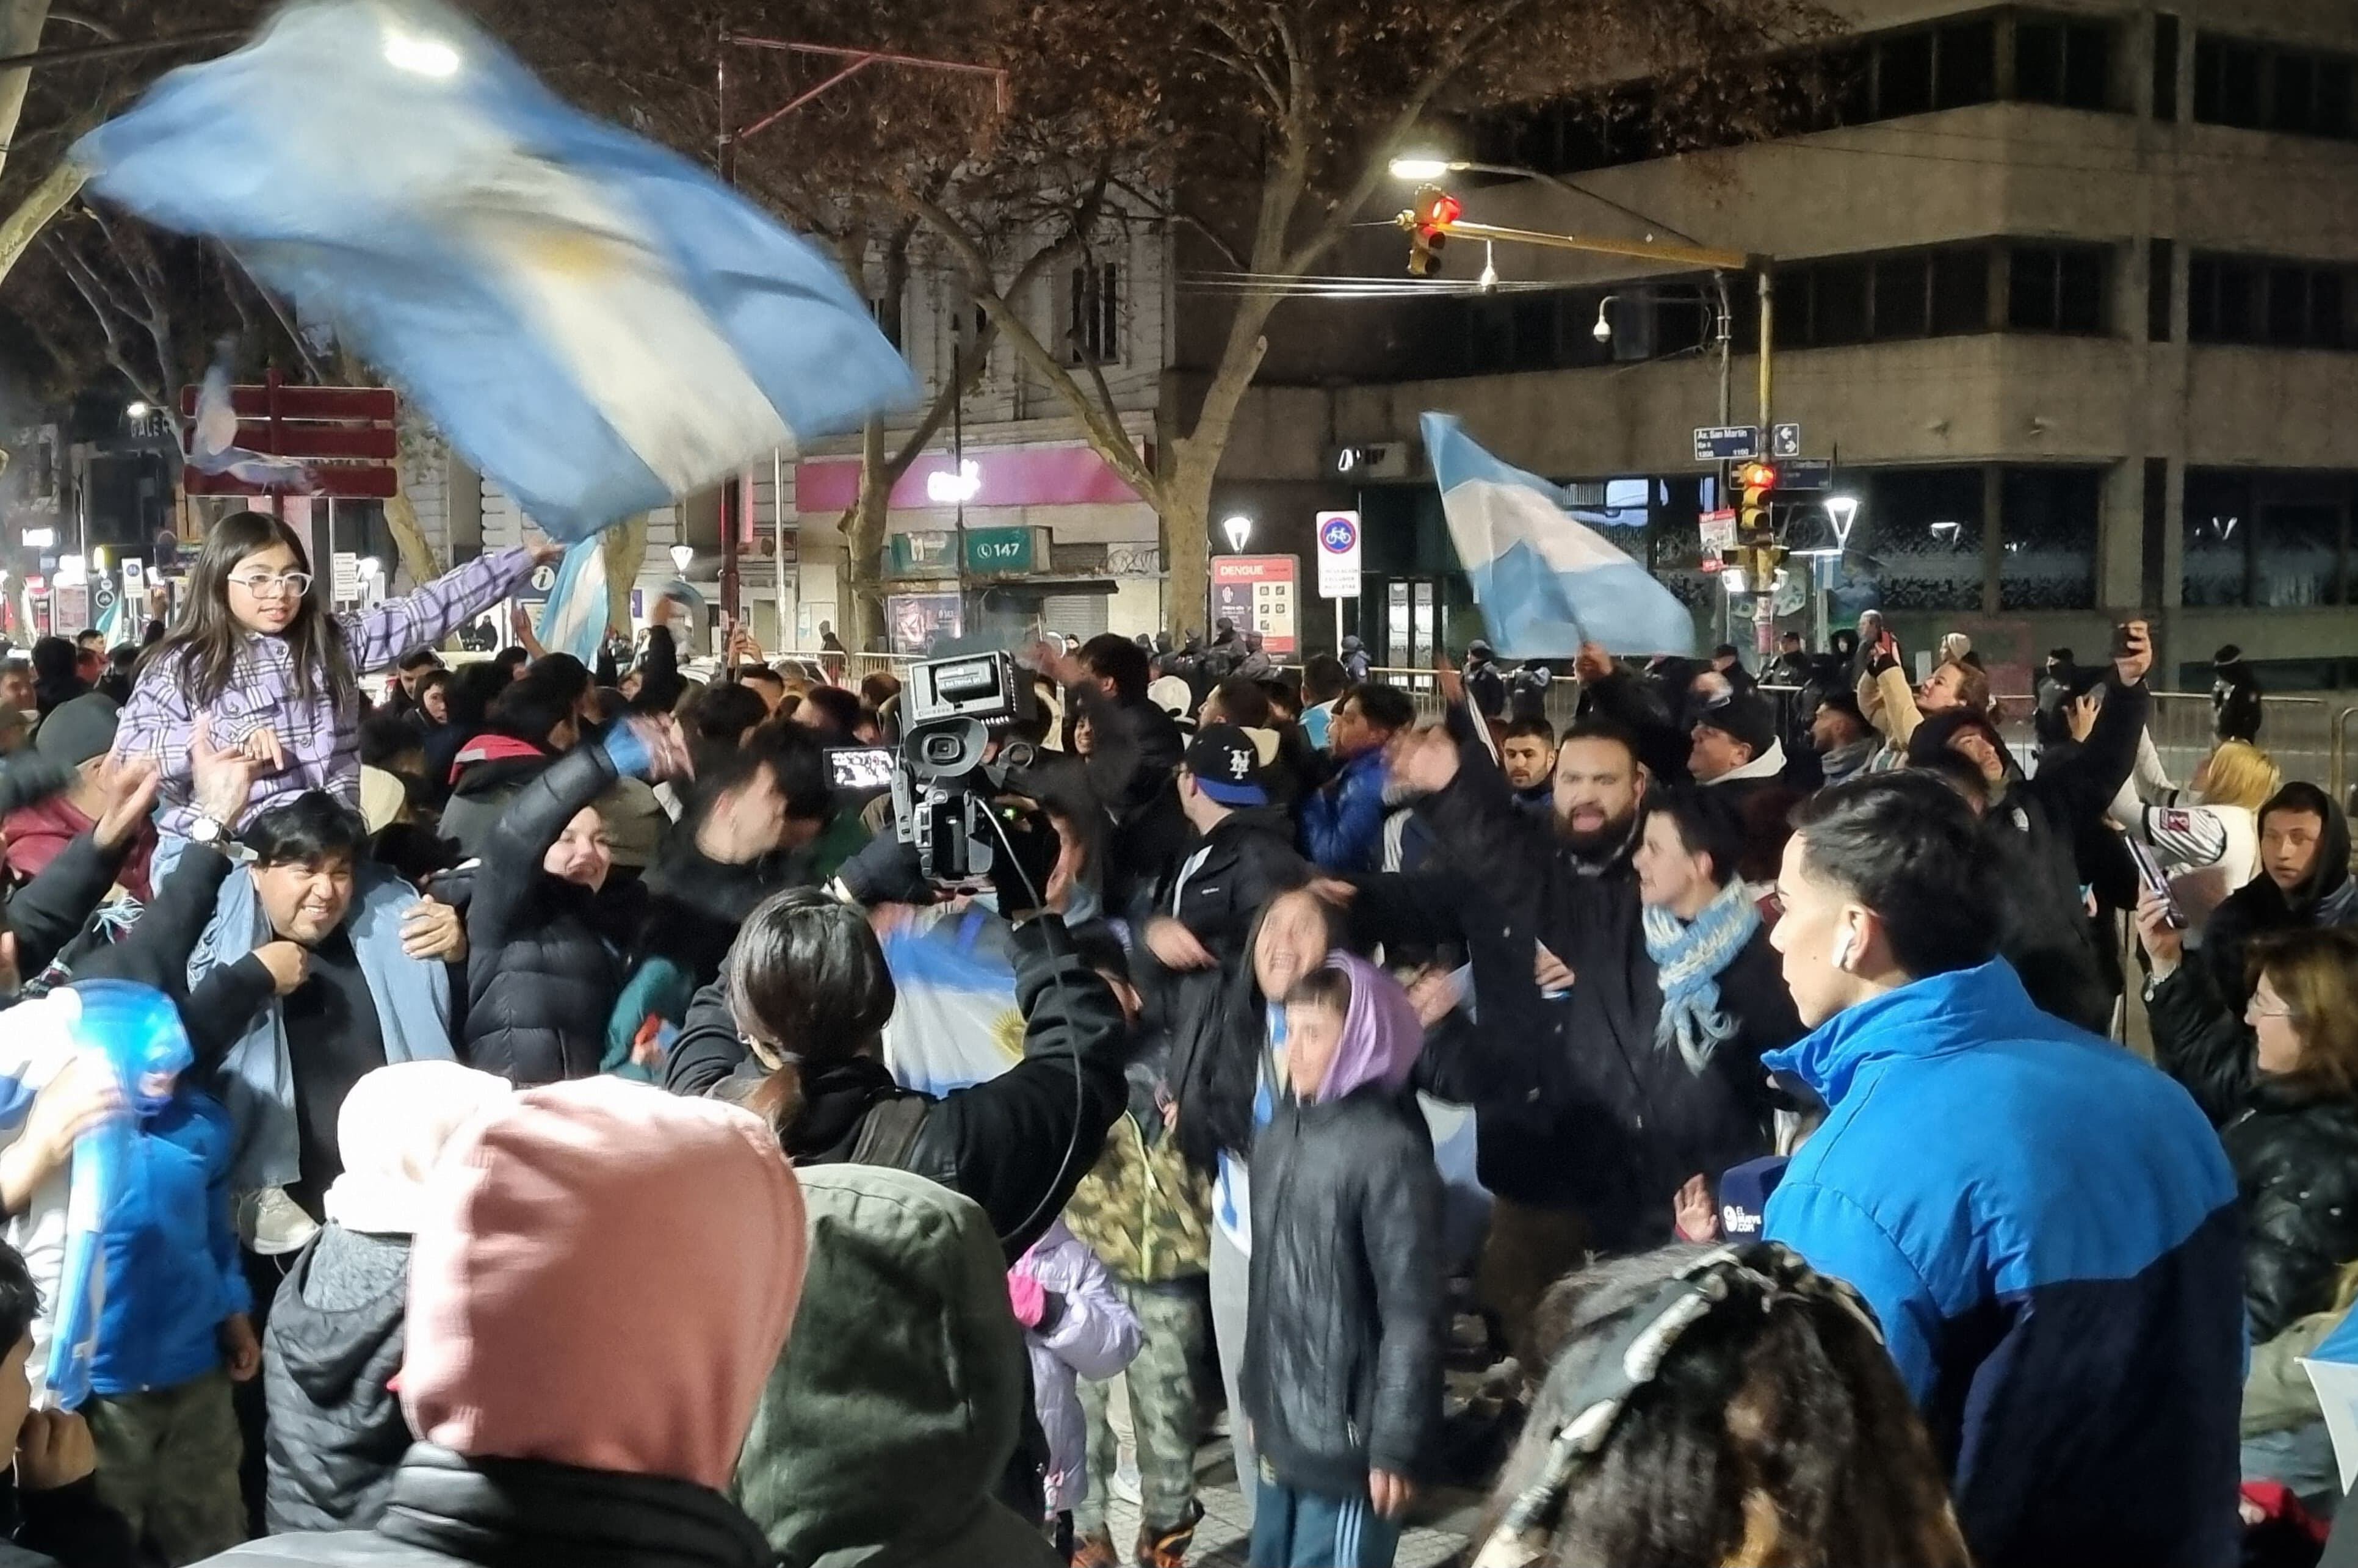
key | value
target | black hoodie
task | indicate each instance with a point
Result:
(2327, 896)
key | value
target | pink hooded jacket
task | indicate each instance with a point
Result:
(603, 1277)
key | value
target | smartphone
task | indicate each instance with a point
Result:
(2149, 873)
(859, 767)
(2121, 649)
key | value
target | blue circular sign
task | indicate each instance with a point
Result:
(1338, 536)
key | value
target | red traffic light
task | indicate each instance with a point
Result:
(1435, 208)
(1757, 476)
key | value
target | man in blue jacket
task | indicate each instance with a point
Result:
(2045, 1225)
(1343, 820)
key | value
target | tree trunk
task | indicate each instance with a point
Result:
(418, 556)
(863, 533)
(45, 202)
(625, 550)
(20, 33)
(1186, 515)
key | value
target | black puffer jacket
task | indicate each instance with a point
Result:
(334, 1342)
(1346, 1245)
(449, 1511)
(2328, 896)
(542, 977)
(1017, 1144)
(2294, 1147)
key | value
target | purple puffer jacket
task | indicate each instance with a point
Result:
(1096, 1337)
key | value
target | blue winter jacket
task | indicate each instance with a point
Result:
(172, 1269)
(1343, 822)
(2047, 1228)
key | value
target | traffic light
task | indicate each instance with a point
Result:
(1755, 480)
(1428, 226)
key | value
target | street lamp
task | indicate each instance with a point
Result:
(1842, 511)
(681, 556)
(1238, 528)
(1603, 330)
(137, 411)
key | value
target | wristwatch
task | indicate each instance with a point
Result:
(208, 831)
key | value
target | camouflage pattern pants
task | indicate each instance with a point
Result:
(168, 1463)
(1163, 1417)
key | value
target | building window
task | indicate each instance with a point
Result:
(2047, 528)
(2267, 541)
(2281, 303)
(1096, 334)
(2165, 67)
(1924, 525)
(887, 313)
(2160, 290)
(2055, 288)
(2063, 63)
(2302, 93)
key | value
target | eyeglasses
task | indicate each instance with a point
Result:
(265, 585)
(2257, 1011)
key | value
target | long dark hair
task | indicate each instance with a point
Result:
(206, 645)
(1775, 1430)
(805, 978)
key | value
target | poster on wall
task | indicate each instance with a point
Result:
(1257, 593)
(915, 621)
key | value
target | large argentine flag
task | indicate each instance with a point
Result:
(596, 323)
(1545, 583)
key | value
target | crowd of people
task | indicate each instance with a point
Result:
(518, 1164)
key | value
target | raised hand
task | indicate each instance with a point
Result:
(131, 784)
(222, 776)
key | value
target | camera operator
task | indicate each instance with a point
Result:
(793, 1030)
(1135, 751)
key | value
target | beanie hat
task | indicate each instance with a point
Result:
(76, 731)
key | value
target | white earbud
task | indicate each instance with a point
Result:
(1846, 947)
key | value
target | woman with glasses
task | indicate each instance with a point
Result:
(2281, 1083)
(278, 671)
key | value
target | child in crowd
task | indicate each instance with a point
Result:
(55, 1515)
(337, 1329)
(1074, 1327)
(1146, 1213)
(260, 650)
(174, 1329)
(1342, 1374)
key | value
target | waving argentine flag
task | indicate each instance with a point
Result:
(594, 322)
(1545, 583)
(574, 619)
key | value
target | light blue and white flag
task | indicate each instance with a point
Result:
(1545, 582)
(574, 619)
(595, 322)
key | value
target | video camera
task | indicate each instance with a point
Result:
(941, 787)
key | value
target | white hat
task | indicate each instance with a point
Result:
(1172, 694)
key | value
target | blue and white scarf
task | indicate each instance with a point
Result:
(1688, 958)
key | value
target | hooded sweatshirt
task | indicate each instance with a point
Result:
(1342, 1367)
(892, 1416)
(558, 1232)
(2327, 896)
(334, 1340)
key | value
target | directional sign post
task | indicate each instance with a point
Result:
(1785, 440)
(1805, 473)
(1725, 443)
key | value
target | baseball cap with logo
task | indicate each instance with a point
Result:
(1224, 761)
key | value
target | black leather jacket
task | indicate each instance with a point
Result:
(2294, 1147)
(448, 1509)
(1346, 1261)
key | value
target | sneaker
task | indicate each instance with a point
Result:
(273, 1224)
(1096, 1550)
(1167, 1547)
(1125, 1482)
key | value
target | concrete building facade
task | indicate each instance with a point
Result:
(2068, 292)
